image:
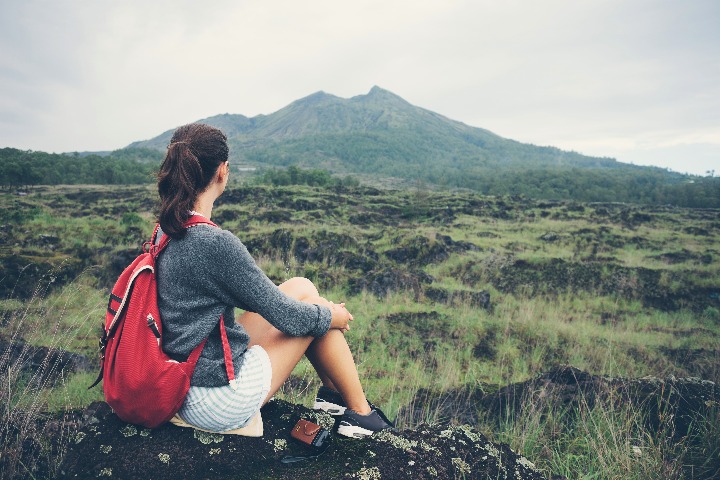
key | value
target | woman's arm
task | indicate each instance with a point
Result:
(242, 283)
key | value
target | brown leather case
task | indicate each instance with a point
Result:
(305, 431)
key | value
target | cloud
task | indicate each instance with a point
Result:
(96, 74)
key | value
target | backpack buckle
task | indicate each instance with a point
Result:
(102, 344)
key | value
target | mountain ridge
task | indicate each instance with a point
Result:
(382, 138)
(380, 111)
(384, 141)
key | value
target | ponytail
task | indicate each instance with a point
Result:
(192, 158)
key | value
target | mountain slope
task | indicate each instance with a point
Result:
(366, 132)
(381, 135)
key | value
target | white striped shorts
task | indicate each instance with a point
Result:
(219, 409)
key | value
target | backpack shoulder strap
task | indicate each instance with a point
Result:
(165, 239)
(198, 220)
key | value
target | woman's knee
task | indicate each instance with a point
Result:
(299, 288)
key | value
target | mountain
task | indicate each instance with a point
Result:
(372, 133)
(380, 135)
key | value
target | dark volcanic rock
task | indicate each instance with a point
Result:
(558, 275)
(421, 250)
(44, 365)
(382, 282)
(678, 400)
(26, 275)
(106, 446)
(275, 216)
(697, 362)
(119, 261)
(671, 403)
(459, 297)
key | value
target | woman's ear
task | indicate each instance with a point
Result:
(223, 172)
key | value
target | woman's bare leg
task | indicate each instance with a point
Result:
(330, 355)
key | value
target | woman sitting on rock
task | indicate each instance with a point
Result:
(205, 272)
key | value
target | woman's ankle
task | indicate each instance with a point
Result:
(361, 408)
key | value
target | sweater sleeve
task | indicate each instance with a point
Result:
(243, 284)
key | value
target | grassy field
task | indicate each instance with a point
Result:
(449, 291)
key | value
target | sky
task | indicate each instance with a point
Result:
(636, 80)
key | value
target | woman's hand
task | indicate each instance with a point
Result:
(341, 318)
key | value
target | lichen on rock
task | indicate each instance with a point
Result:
(462, 467)
(80, 436)
(367, 474)
(207, 438)
(428, 452)
(280, 444)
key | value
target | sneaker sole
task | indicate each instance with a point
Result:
(353, 431)
(332, 408)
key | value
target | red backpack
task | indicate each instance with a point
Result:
(142, 384)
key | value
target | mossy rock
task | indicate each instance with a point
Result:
(108, 447)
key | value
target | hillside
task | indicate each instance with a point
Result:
(463, 305)
(379, 135)
(383, 140)
(375, 132)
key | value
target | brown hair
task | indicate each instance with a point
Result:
(193, 156)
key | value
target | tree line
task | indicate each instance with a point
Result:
(622, 183)
(501, 167)
(26, 167)
(294, 175)
(650, 186)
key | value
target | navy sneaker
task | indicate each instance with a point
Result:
(355, 425)
(329, 401)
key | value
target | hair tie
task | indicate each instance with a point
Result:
(176, 143)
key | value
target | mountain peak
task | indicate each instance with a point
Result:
(380, 97)
(378, 92)
(317, 97)
(375, 90)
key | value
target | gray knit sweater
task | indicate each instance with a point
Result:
(205, 275)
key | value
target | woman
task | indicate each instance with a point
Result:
(205, 272)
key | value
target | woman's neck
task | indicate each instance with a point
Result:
(205, 200)
(204, 204)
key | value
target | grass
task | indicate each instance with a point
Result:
(56, 320)
(403, 343)
(608, 440)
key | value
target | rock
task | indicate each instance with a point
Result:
(420, 250)
(458, 245)
(224, 216)
(670, 404)
(696, 362)
(550, 237)
(677, 400)
(479, 299)
(606, 278)
(48, 240)
(24, 276)
(381, 282)
(44, 365)
(106, 446)
(275, 216)
(120, 259)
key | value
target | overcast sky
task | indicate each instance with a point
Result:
(636, 80)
